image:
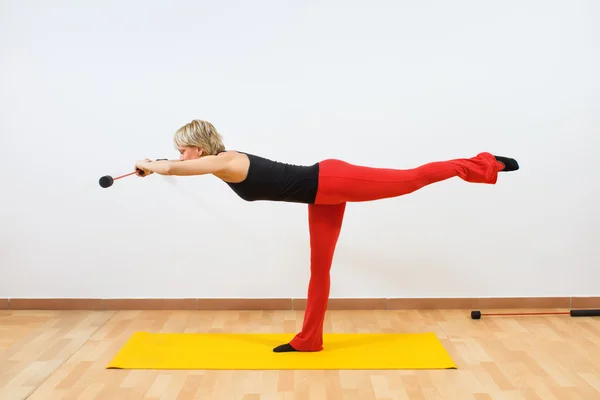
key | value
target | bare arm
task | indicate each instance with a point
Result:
(200, 166)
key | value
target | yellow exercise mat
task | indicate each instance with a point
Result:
(252, 351)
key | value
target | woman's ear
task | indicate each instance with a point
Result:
(200, 151)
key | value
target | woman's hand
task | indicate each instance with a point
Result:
(144, 166)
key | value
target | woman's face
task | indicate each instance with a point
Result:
(189, 153)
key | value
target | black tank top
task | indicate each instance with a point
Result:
(277, 181)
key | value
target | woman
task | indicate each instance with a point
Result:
(325, 186)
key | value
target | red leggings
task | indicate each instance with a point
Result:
(341, 182)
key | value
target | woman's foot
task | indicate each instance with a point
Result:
(509, 164)
(284, 348)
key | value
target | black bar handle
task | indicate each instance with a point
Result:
(585, 313)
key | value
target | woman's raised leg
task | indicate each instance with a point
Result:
(340, 181)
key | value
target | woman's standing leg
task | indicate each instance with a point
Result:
(325, 224)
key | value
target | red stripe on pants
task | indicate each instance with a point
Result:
(341, 182)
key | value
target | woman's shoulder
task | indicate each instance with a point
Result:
(237, 154)
(230, 153)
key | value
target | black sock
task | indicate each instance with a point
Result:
(510, 164)
(284, 348)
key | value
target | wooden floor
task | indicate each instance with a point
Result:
(47, 355)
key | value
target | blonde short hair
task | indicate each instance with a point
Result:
(202, 134)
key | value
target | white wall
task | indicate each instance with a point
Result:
(87, 88)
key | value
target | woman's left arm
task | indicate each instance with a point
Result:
(201, 166)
